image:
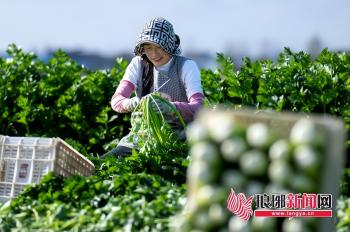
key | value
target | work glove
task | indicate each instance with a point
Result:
(160, 106)
(130, 104)
(168, 113)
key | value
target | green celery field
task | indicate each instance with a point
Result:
(145, 191)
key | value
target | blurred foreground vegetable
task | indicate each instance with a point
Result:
(259, 153)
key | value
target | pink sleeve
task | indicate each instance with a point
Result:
(188, 110)
(122, 93)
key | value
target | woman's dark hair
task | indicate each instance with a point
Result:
(147, 76)
(177, 41)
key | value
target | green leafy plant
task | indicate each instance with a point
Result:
(150, 125)
(60, 98)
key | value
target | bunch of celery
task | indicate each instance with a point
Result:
(151, 126)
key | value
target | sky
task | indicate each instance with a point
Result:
(111, 26)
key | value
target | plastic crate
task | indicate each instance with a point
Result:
(25, 160)
(330, 128)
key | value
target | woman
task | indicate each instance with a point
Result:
(158, 67)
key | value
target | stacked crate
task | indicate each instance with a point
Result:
(25, 160)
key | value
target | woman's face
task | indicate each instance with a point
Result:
(156, 54)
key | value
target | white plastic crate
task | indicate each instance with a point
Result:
(25, 160)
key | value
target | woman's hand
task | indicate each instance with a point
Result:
(165, 96)
(131, 104)
(159, 106)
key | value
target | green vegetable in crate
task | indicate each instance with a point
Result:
(307, 159)
(196, 132)
(280, 150)
(201, 173)
(305, 132)
(254, 163)
(263, 224)
(217, 214)
(258, 135)
(210, 194)
(296, 225)
(205, 220)
(233, 178)
(207, 152)
(221, 128)
(202, 221)
(237, 224)
(275, 188)
(280, 172)
(302, 183)
(232, 148)
(254, 187)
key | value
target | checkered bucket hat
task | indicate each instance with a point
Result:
(159, 31)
